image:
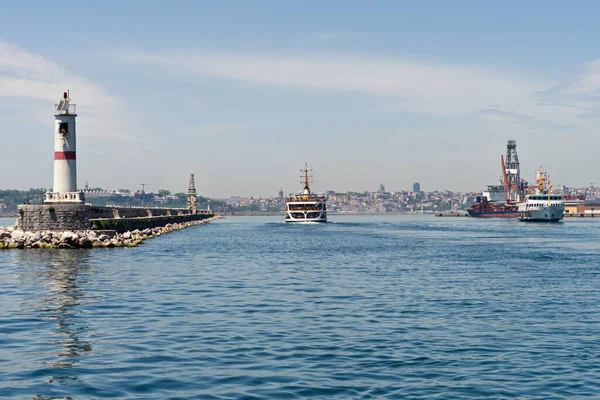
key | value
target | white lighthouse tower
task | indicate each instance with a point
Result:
(64, 189)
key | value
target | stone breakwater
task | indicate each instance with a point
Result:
(11, 237)
(81, 217)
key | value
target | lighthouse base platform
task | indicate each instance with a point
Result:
(70, 197)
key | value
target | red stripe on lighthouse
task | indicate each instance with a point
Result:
(64, 155)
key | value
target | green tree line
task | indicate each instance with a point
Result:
(12, 198)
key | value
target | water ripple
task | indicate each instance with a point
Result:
(366, 308)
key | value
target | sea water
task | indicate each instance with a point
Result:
(361, 307)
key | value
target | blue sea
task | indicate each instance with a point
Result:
(364, 307)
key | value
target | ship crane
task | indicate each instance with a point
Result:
(511, 173)
(505, 178)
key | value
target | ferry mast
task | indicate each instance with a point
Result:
(306, 178)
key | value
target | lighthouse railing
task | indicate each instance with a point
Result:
(65, 109)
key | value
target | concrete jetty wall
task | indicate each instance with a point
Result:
(121, 225)
(65, 216)
(54, 217)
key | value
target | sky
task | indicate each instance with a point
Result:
(244, 93)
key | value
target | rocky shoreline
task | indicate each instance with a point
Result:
(11, 237)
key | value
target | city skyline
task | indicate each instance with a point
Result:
(277, 193)
(243, 94)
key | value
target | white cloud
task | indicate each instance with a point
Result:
(518, 121)
(41, 82)
(447, 90)
(588, 81)
(435, 88)
(581, 93)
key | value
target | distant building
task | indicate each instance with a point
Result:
(381, 188)
(581, 208)
(416, 187)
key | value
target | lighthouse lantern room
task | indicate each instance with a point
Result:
(64, 189)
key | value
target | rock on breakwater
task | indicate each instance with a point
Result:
(11, 237)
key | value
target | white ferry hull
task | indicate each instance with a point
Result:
(306, 211)
(320, 218)
(552, 213)
(306, 216)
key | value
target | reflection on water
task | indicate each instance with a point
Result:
(36, 397)
(62, 273)
(395, 307)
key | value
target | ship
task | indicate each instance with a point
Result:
(543, 205)
(489, 209)
(502, 200)
(306, 206)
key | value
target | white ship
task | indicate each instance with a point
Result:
(495, 193)
(306, 206)
(542, 205)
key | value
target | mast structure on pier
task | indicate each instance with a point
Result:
(192, 199)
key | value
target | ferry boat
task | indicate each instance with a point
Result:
(306, 206)
(542, 206)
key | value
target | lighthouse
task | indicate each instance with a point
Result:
(65, 155)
